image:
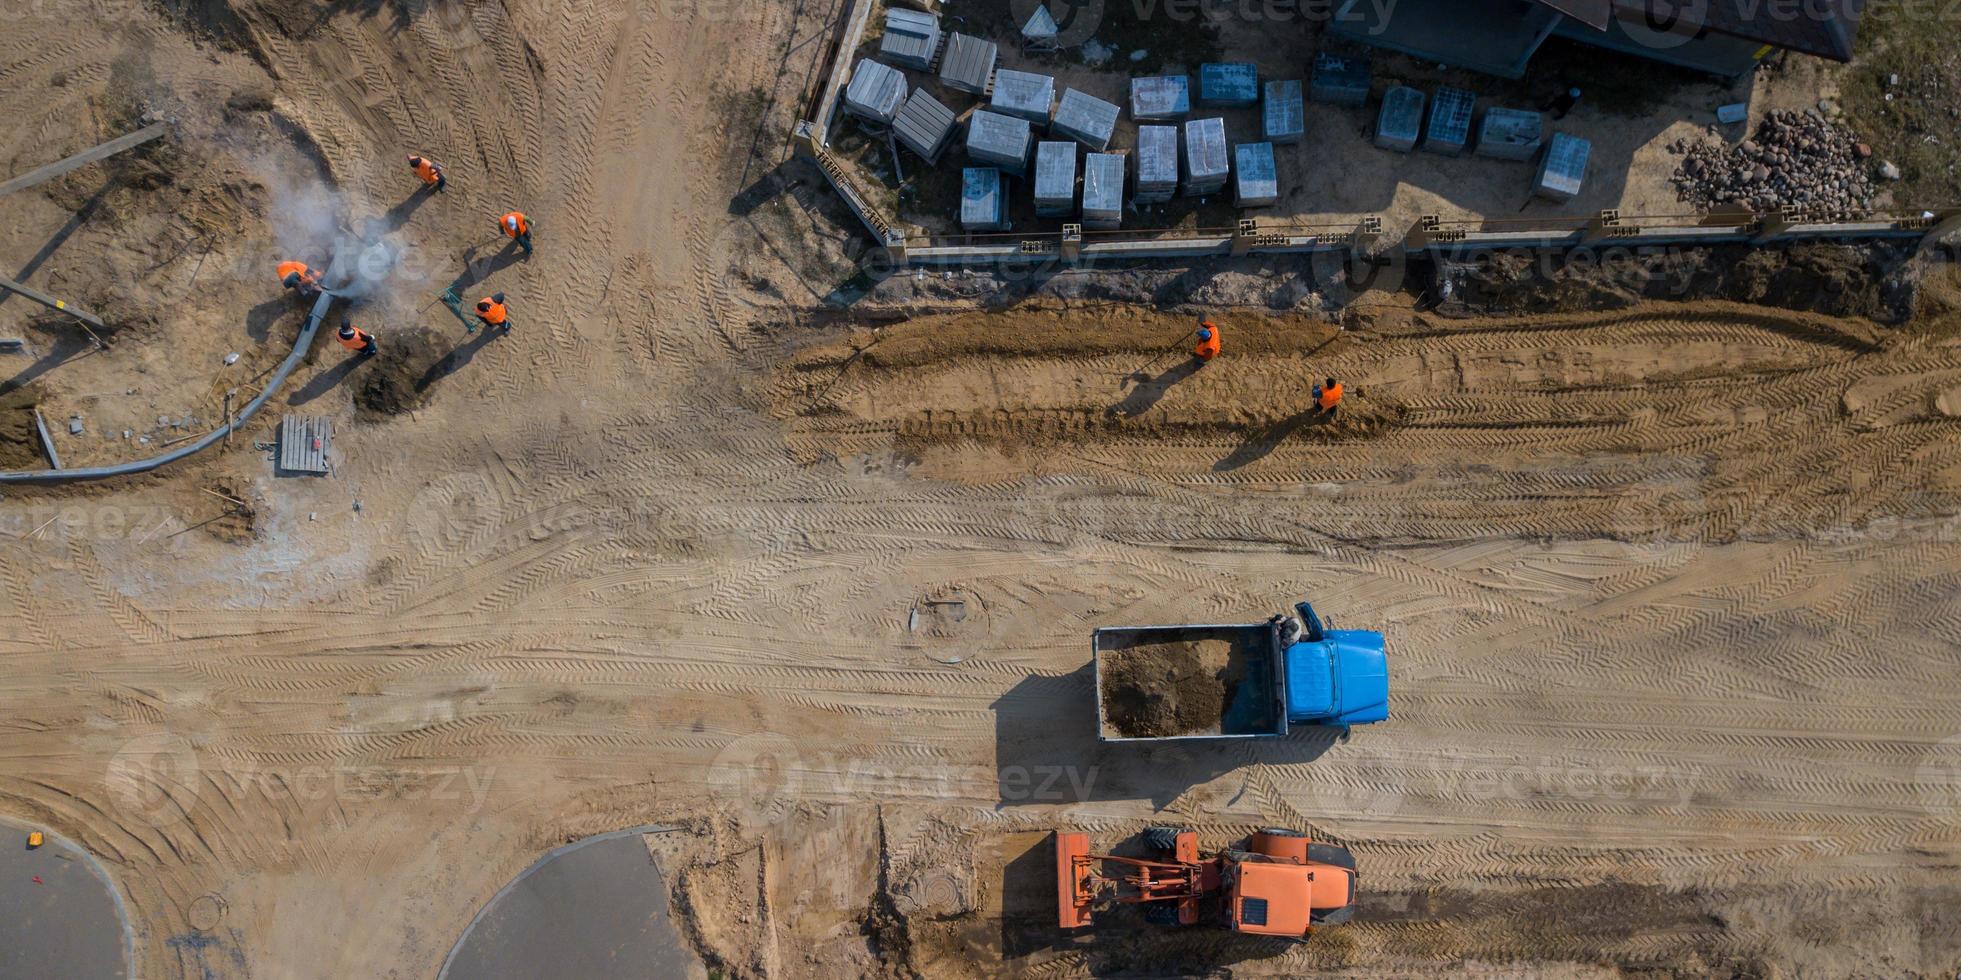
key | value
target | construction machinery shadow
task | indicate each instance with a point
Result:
(1046, 750)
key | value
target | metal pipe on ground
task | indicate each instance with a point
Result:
(304, 342)
(84, 158)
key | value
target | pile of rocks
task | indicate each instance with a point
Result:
(1795, 160)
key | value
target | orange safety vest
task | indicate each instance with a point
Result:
(1208, 348)
(491, 312)
(1330, 396)
(425, 169)
(357, 342)
(296, 268)
(514, 224)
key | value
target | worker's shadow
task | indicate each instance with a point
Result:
(259, 320)
(326, 380)
(455, 360)
(1150, 390)
(477, 268)
(1046, 751)
(1266, 440)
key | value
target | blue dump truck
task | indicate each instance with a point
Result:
(1236, 681)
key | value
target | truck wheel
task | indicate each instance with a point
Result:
(1163, 838)
(1334, 854)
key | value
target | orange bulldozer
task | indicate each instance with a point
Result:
(1280, 884)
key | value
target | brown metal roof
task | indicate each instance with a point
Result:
(1825, 28)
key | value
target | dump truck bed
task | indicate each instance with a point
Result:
(1156, 683)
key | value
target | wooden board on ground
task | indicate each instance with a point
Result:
(303, 443)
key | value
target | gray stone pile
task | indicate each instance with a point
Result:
(1795, 160)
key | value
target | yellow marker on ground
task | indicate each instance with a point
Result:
(34, 840)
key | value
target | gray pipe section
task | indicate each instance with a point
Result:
(300, 347)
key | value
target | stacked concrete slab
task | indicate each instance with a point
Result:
(1228, 84)
(1339, 81)
(1157, 164)
(1510, 134)
(1103, 176)
(1400, 122)
(924, 126)
(876, 92)
(968, 63)
(1563, 168)
(1206, 157)
(1160, 97)
(1283, 114)
(1256, 178)
(1024, 94)
(1086, 119)
(1449, 129)
(1055, 178)
(983, 202)
(911, 38)
(1000, 141)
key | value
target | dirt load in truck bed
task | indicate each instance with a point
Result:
(1154, 688)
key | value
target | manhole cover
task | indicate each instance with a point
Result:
(947, 624)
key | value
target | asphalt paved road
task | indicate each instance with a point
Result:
(597, 909)
(66, 925)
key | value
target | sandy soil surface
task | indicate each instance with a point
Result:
(1668, 589)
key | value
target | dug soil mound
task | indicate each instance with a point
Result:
(1876, 280)
(1178, 687)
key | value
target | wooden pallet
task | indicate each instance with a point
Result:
(304, 441)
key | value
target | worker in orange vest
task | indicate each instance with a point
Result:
(491, 311)
(1208, 341)
(429, 170)
(300, 277)
(516, 225)
(1328, 397)
(356, 339)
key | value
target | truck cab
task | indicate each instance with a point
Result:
(1335, 677)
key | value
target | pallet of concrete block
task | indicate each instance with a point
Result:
(1024, 94)
(1338, 80)
(1160, 97)
(983, 200)
(924, 126)
(1157, 164)
(968, 64)
(995, 140)
(1283, 115)
(1449, 129)
(1055, 178)
(1228, 84)
(911, 38)
(1206, 157)
(875, 93)
(1400, 122)
(1255, 175)
(1510, 134)
(1563, 168)
(1103, 178)
(1086, 119)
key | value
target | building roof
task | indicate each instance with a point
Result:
(1825, 28)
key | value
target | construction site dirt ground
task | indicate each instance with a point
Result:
(1669, 589)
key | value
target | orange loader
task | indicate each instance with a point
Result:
(1280, 884)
